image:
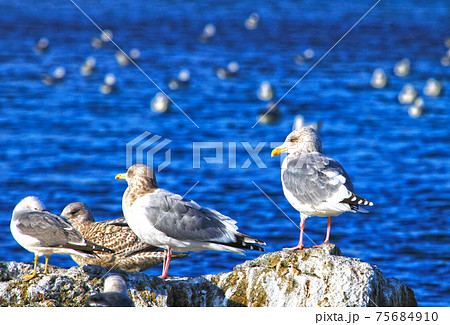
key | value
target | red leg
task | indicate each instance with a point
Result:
(300, 243)
(327, 238)
(167, 257)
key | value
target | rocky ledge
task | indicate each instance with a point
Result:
(311, 277)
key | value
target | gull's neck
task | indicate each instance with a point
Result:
(136, 190)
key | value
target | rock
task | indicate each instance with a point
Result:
(311, 277)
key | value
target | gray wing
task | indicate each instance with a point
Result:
(51, 230)
(314, 178)
(186, 220)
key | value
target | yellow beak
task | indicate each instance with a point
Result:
(121, 176)
(278, 150)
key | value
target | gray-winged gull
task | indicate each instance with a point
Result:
(314, 184)
(44, 233)
(131, 254)
(402, 67)
(114, 294)
(269, 115)
(265, 91)
(167, 220)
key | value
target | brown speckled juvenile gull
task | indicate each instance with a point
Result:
(131, 254)
(44, 233)
(314, 184)
(167, 220)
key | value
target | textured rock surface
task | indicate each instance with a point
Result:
(312, 277)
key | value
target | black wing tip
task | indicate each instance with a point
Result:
(102, 249)
(252, 246)
(247, 242)
(99, 248)
(355, 200)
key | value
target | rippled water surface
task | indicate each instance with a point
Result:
(66, 142)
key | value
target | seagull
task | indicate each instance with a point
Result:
(109, 84)
(208, 33)
(299, 122)
(167, 220)
(131, 254)
(416, 109)
(265, 91)
(114, 294)
(252, 21)
(379, 78)
(160, 103)
(42, 45)
(314, 184)
(88, 66)
(56, 77)
(432, 88)
(269, 115)
(44, 233)
(402, 67)
(408, 94)
(230, 71)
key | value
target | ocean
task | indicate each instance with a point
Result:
(63, 140)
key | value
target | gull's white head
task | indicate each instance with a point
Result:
(140, 176)
(115, 283)
(30, 203)
(304, 140)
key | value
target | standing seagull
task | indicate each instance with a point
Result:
(314, 184)
(167, 220)
(131, 254)
(44, 233)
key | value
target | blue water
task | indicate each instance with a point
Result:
(66, 142)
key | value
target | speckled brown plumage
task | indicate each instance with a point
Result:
(131, 254)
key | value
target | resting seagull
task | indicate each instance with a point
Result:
(314, 184)
(114, 294)
(131, 253)
(167, 220)
(44, 233)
